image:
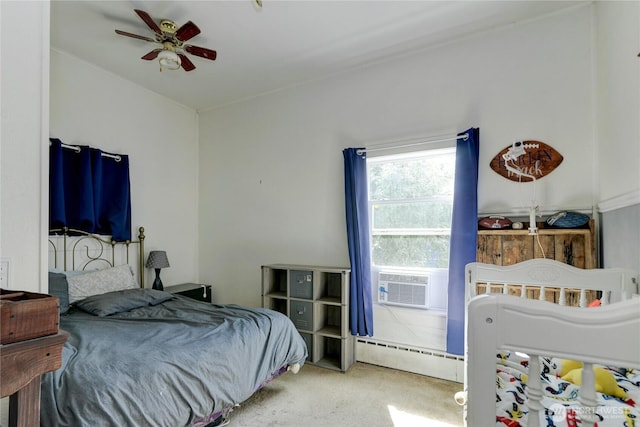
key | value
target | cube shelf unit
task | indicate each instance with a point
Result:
(316, 299)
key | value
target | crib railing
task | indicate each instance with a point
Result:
(503, 323)
(542, 280)
(562, 296)
(552, 281)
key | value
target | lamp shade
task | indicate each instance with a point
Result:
(157, 259)
(169, 59)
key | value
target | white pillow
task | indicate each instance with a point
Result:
(100, 282)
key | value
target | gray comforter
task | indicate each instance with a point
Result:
(166, 364)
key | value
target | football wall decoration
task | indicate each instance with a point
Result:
(538, 160)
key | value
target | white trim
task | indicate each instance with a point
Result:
(395, 146)
(197, 240)
(45, 89)
(618, 202)
(463, 136)
(596, 147)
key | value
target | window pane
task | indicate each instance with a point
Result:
(411, 178)
(411, 251)
(418, 215)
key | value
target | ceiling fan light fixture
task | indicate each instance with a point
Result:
(169, 59)
(171, 38)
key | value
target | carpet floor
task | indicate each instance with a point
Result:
(366, 395)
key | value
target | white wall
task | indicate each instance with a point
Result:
(93, 107)
(271, 178)
(618, 106)
(24, 96)
(618, 119)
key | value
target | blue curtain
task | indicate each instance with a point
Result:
(356, 201)
(70, 187)
(112, 198)
(464, 234)
(89, 191)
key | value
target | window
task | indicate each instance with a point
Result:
(410, 207)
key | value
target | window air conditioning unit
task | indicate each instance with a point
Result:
(403, 288)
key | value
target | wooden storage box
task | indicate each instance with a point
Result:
(27, 315)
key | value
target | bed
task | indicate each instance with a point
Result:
(143, 357)
(548, 344)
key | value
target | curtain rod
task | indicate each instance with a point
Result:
(464, 137)
(70, 147)
(77, 149)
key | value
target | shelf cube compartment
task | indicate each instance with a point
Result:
(275, 281)
(331, 286)
(331, 319)
(276, 304)
(301, 284)
(308, 340)
(301, 314)
(332, 352)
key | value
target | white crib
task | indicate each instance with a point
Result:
(506, 318)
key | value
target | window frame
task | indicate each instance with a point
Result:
(450, 150)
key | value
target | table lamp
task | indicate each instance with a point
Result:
(157, 260)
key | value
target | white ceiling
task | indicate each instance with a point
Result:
(282, 44)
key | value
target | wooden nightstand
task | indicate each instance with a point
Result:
(196, 291)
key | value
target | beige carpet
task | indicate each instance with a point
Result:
(366, 395)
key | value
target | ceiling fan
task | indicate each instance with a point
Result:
(172, 53)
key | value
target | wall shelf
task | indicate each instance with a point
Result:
(574, 246)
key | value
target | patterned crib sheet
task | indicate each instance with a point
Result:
(560, 397)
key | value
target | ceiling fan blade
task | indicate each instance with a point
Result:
(201, 51)
(152, 55)
(149, 21)
(187, 65)
(187, 31)
(135, 36)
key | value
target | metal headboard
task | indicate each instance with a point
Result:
(81, 250)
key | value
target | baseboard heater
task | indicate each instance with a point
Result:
(398, 347)
(422, 361)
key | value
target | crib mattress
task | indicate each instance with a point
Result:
(560, 397)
